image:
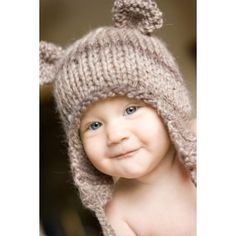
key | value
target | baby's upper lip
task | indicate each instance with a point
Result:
(124, 153)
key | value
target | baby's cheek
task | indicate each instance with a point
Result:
(88, 149)
(92, 149)
(95, 153)
(154, 131)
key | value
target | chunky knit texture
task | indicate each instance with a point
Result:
(111, 61)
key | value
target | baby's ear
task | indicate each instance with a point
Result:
(49, 56)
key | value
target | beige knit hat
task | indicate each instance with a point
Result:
(120, 60)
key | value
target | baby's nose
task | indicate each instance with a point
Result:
(116, 133)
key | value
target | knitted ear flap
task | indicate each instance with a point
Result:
(49, 56)
(143, 15)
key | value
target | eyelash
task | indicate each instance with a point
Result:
(126, 111)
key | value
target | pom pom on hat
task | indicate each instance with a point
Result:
(143, 15)
(49, 55)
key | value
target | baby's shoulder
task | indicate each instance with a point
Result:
(118, 203)
(115, 210)
(124, 211)
(131, 215)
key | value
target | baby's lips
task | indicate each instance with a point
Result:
(125, 153)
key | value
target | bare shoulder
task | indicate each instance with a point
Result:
(114, 212)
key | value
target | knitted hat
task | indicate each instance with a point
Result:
(123, 59)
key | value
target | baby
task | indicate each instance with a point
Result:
(127, 118)
(126, 138)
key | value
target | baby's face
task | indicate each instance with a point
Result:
(123, 137)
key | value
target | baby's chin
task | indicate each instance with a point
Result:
(134, 173)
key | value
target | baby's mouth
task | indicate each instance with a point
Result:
(125, 154)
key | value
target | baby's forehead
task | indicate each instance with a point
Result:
(111, 101)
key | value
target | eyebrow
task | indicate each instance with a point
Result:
(136, 102)
(86, 120)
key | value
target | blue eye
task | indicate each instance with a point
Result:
(94, 125)
(131, 110)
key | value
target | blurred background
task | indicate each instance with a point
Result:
(62, 22)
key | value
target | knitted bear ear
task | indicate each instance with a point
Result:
(143, 15)
(49, 56)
